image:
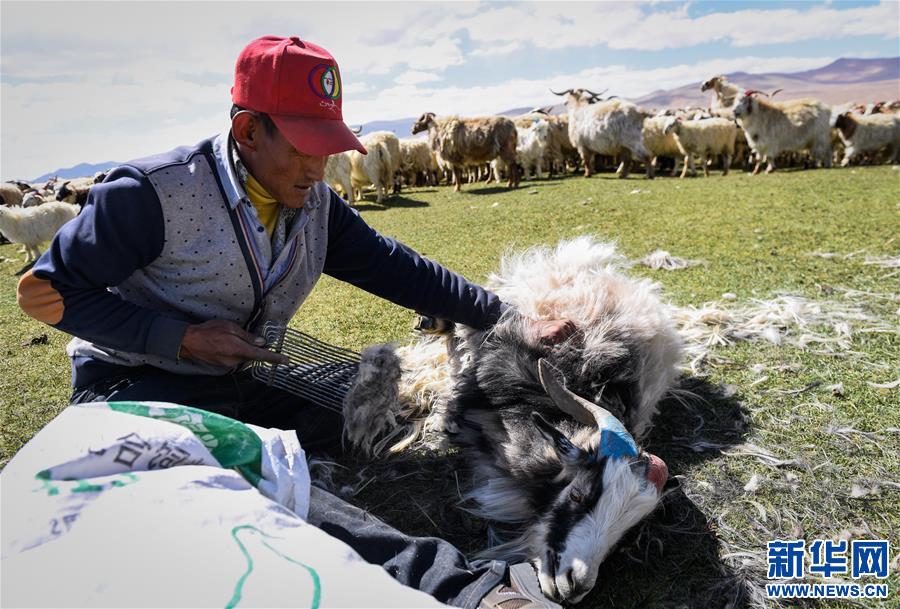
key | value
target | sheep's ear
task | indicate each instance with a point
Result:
(567, 452)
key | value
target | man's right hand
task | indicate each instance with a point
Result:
(224, 343)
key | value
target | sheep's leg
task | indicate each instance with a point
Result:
(379, 192)
(513, 181)
(687, 163)
(457, 179)
(758, 165)
(726, 164)
(707, 159)
(625, 167)
(348, 192)
(848, 156)
(770, 167)
(588, 159)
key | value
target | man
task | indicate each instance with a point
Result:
(178, 259)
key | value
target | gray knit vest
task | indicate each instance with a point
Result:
(206, 269)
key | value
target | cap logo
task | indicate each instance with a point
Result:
(325, 82)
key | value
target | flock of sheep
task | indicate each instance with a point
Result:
(743, 127)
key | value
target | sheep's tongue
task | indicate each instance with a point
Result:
(657, 472)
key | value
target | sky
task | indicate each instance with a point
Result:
(99, 81)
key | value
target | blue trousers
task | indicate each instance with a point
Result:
(429, 564)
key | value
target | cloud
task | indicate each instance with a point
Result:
(496, 49)
(408, 100)
(112, 79)
(415, 77)
(651, 27)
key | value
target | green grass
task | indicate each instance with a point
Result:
(706, 546)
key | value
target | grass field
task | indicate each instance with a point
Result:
(816, 461)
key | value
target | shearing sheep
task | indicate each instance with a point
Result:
(417, 158)
(706, 137)
(776, 127)
(611, 127)
(460, 142)
(868, 134)
(550, 431)
(33, 226)
(337, 174)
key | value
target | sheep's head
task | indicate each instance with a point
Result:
(607, 485)
(577, 97)
(424, 122)
(64, 193)
(746, 103)
(672, 125)
(713, 83)
(845, 124)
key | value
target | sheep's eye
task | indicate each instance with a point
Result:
(576, 496)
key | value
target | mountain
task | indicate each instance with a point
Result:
(843, 80)
(82, 170)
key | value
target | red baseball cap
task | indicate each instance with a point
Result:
(298, 84)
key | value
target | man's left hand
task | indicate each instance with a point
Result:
(552, 331)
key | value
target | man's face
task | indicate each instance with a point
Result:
(285, 173)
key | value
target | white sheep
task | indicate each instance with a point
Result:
(790, 126)
(710, 136)
(417, 157)
(724, 93)
(33, 226)
(32, 199)
(612, 127)
(375, 168)
(869, 133)
(392, 143)
(659, 143)
(337, 174)
(532, 146)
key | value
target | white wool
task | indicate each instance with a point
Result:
(337, 174)
(578, 280)
(32, 226)
(663, 260)
(822, 326)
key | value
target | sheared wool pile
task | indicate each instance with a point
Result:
(663, 260)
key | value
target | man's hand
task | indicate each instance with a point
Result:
(224, 343)
(552, 331)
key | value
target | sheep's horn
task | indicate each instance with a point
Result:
(597, 94)
(566, 92)
(775, 92)
(577, 407)
(356, 130)
(750, 92)
(615, 441)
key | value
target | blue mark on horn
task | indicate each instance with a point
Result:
(615, 441)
